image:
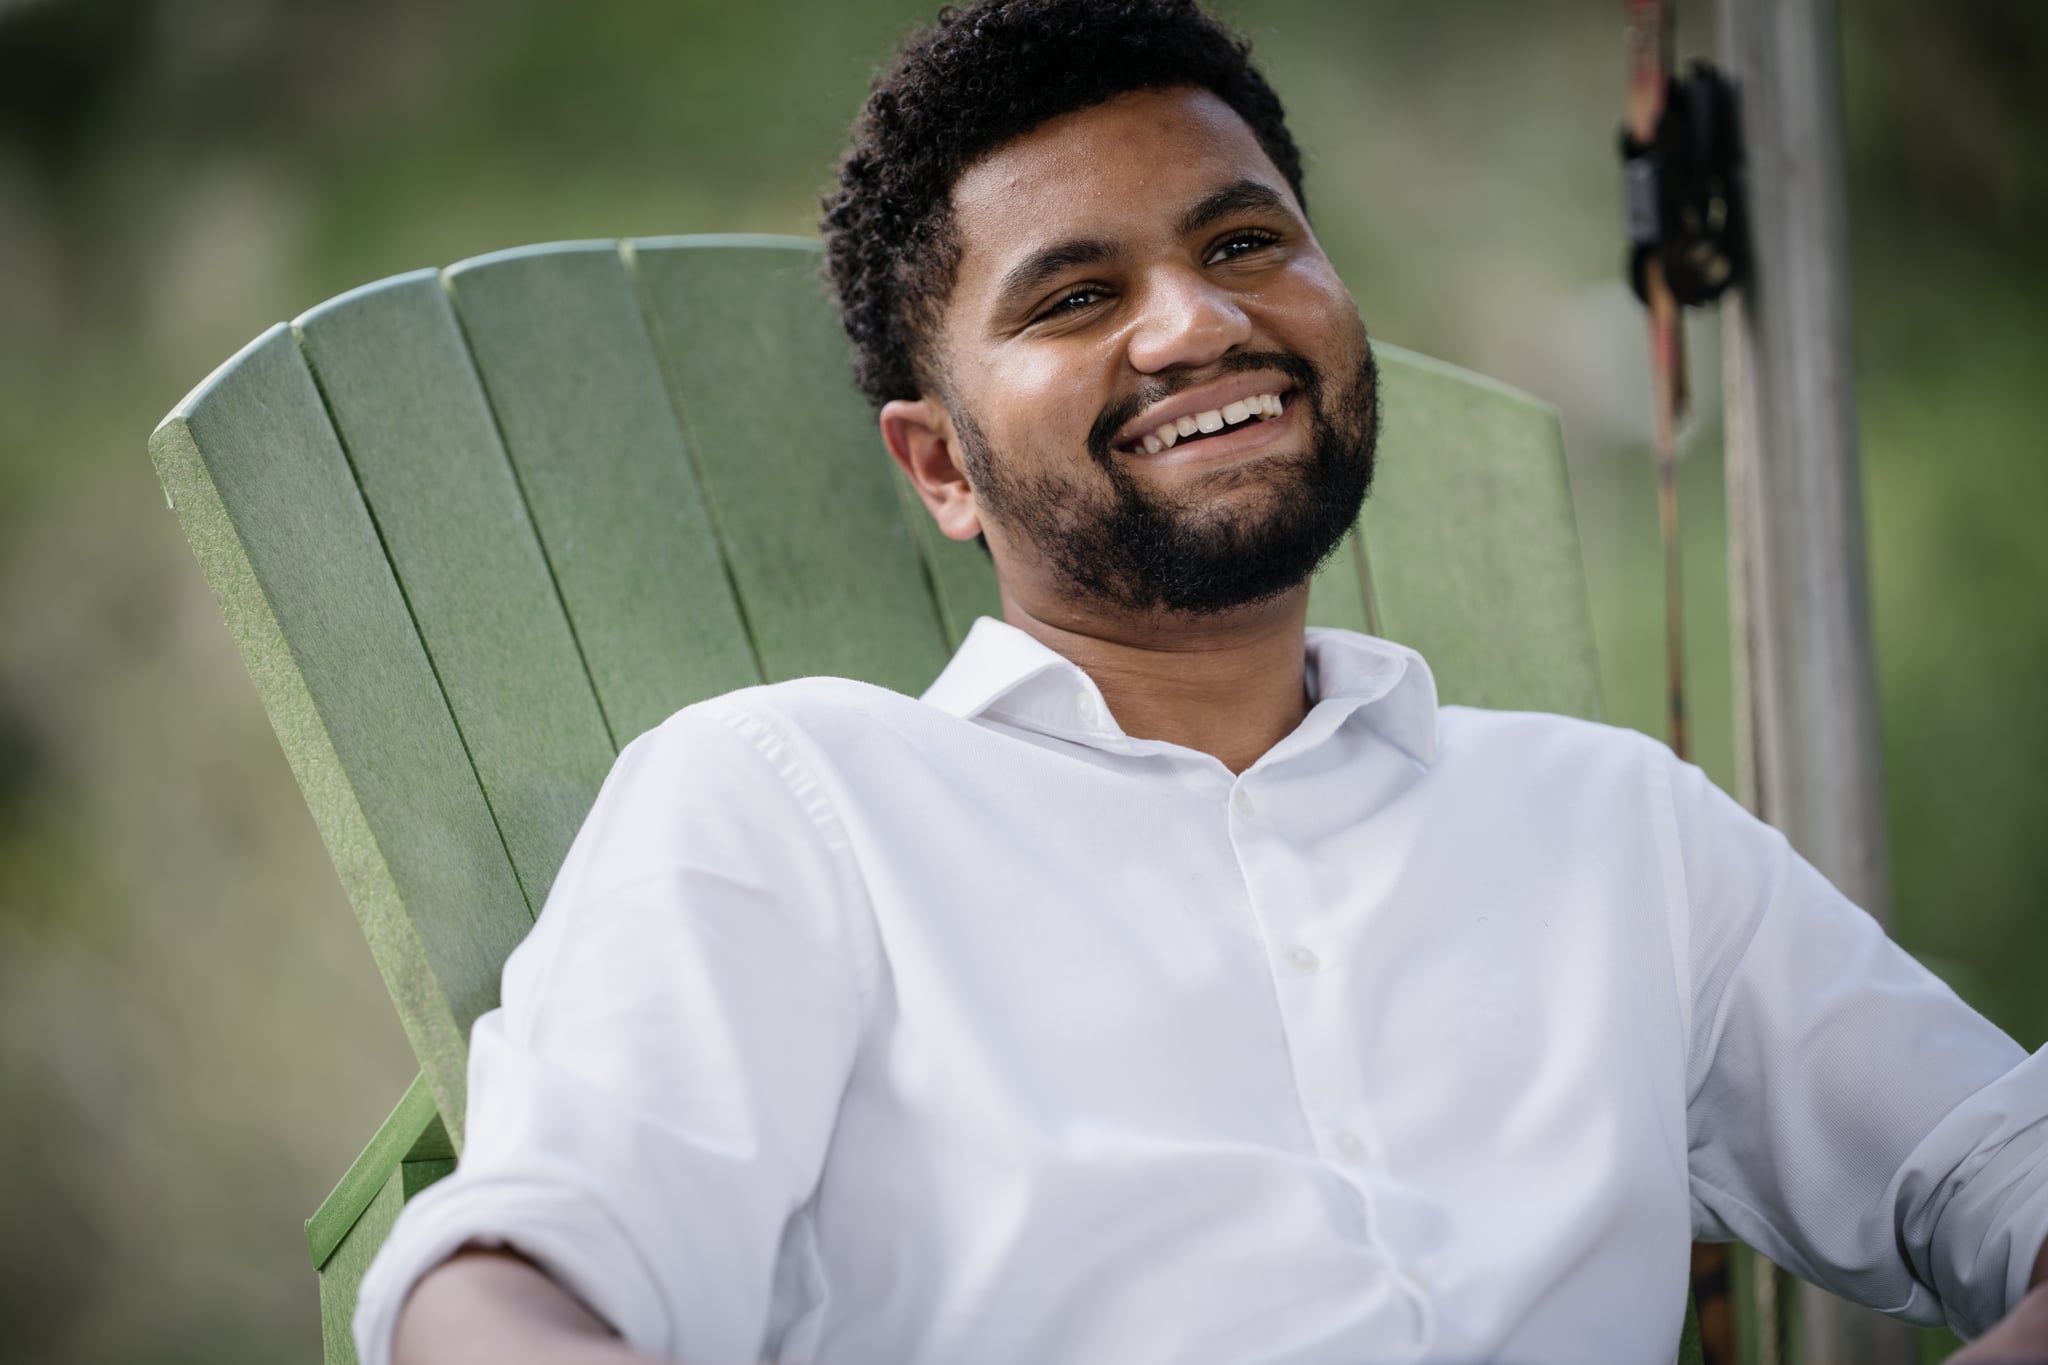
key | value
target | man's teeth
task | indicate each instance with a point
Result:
(1215, 419)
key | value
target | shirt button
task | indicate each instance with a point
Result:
(1093, 713)
(1242, 799)
(1303, 959)
(1350, 1144)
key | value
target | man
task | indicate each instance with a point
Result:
(1172, 983)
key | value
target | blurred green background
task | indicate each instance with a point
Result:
(193, 1039)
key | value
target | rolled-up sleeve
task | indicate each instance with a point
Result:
(655, 1096)
(1849, 1116)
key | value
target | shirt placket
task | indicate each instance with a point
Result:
(1308, 982)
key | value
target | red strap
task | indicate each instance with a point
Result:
(1649, 78)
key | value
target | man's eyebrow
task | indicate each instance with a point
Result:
(1032, 273)
(1241, 196)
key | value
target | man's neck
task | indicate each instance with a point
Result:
(1231, 685)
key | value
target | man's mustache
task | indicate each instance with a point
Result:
(1118, 415)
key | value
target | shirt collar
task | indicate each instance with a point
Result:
(1002, 672)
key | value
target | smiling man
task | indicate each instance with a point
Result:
(1173, 982)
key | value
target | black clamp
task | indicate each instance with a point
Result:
(1685, 191)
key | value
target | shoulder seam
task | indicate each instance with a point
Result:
(777, 748)
(1677, 889)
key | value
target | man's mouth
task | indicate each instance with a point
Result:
(1197, 426)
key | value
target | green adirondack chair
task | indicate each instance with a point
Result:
(476, 528)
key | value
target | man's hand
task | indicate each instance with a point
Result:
(2021, 1336)
(492, 1307)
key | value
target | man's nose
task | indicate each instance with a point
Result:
(1185, 320)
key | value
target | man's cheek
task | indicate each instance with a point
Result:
(1037, 372)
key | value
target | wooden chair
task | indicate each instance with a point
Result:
(476, 528)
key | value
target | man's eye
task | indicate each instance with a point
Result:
(1242, 243)
(1073, 301)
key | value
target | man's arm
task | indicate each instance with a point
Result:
(658, 1089)
(1849, 1115)
(491, 1307)
(2020, 1335)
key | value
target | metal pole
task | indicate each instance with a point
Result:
(1805, 667)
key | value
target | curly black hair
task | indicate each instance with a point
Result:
(979, 77)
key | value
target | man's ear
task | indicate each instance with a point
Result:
(920, 436)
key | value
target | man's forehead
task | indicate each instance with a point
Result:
(1142, 158)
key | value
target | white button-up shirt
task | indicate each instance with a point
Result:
(864, 1029)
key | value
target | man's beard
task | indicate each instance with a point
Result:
(1138, 552)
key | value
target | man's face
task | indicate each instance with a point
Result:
(1139, 269)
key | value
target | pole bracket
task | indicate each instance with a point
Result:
(1684, 191)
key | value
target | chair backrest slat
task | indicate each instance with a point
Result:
(561, 341)
(1471, 549)
(828, 569)
(257, 475)
(404, 397)
(1337, 595)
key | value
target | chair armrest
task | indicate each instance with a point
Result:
(412, 1136)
